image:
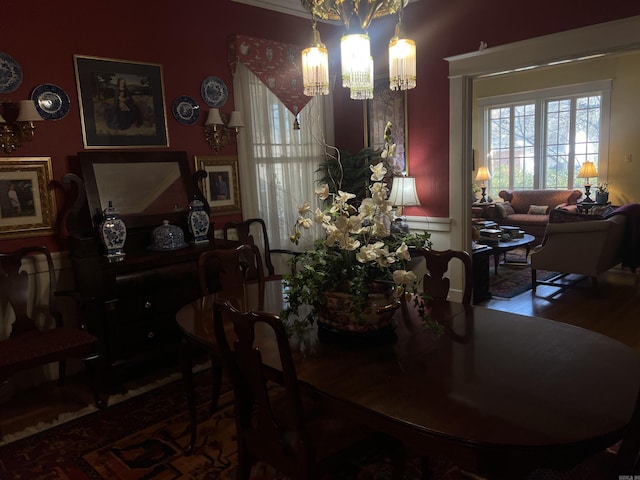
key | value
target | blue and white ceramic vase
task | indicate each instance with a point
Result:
(113, 233)
(198, 222)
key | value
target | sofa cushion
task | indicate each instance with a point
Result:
(503, 210)
(538, 209)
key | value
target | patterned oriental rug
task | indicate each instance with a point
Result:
(512, 280)
(144, 437)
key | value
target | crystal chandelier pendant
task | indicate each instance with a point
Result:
(315, 66)
(355, 53)
(362, 82)
(402, 60)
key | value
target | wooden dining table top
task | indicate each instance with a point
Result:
(498, 390)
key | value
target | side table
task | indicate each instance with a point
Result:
(480, 257)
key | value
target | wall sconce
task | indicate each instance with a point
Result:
(16, 124)
(217, 131)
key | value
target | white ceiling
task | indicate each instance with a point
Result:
(292, 7)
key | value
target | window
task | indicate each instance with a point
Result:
(539, 140)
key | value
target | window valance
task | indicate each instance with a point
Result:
(276, 64)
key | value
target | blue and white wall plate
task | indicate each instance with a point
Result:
(52, 102)
(10, 74)
(214, 92)
(186, 110)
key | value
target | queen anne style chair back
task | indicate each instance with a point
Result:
(247, 231)
(235, 275)
(38, 335)
(435, 284)
(275, 423)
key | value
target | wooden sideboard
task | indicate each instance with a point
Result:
(130, 305)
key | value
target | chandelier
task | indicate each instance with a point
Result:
(355, 50)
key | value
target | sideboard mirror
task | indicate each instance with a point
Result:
(145, 187)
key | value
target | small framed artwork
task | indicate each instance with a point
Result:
(121, 103)
(387, 106)
(220, 187)
(27, 200)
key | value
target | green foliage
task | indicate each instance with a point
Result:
(349, 172)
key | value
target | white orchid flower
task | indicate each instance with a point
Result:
(320, 217)
(306, 223)
(402, 277)
(344, 197)
(322, 191)
(304, 209)
(378, 172)
(403, 252)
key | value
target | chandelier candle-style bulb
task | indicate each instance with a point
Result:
(315, 66)
(402, 60)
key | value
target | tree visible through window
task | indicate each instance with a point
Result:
(540, 140)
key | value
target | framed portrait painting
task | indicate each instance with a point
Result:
(387, 106)
(27, 200)
(121, 103)
(220, 187)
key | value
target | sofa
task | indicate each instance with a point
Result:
(529, 209)
(585, 245)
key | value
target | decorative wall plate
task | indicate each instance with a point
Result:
(52, 102)
(214, 92)
(10, 73)
(186, 110)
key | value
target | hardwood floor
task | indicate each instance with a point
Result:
(613, 310)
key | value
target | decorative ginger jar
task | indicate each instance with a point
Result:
(167, 237)
(113, 233)
(198, 222)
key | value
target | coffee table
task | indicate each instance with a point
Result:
(504, 247)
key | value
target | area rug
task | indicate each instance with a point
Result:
(143, 438)
(512, 280)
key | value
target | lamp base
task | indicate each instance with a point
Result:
(483, 199)
(587, 192)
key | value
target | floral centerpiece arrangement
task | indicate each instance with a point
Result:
(359, 254)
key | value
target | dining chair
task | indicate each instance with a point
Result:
(254, 231)
(275, 422)
(435, 284)
(235, 275)
(38, 335)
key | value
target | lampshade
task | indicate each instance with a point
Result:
(28, 112)
(214, 118)
(483, 174)
(588, 170)
(402, 60)
(235, 120)
(315, 66)
(403, 192)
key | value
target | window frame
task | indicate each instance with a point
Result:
(540, 98)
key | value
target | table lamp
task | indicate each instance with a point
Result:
(403, 194)
(482, 176)
(587, 170)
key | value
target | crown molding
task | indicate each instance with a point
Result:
(290, 7)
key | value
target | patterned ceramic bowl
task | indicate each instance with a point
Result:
(167, 237)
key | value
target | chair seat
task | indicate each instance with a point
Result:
(34, 347)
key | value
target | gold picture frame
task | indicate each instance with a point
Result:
(27, 199)
(221, 187)
(387, 106)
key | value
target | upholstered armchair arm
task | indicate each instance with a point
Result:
(586, 248)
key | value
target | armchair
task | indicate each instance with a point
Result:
(586, 248)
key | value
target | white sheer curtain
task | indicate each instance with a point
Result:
(277, 164)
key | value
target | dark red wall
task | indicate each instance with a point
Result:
(189, 40)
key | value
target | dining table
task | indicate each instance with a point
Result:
(498, 393)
